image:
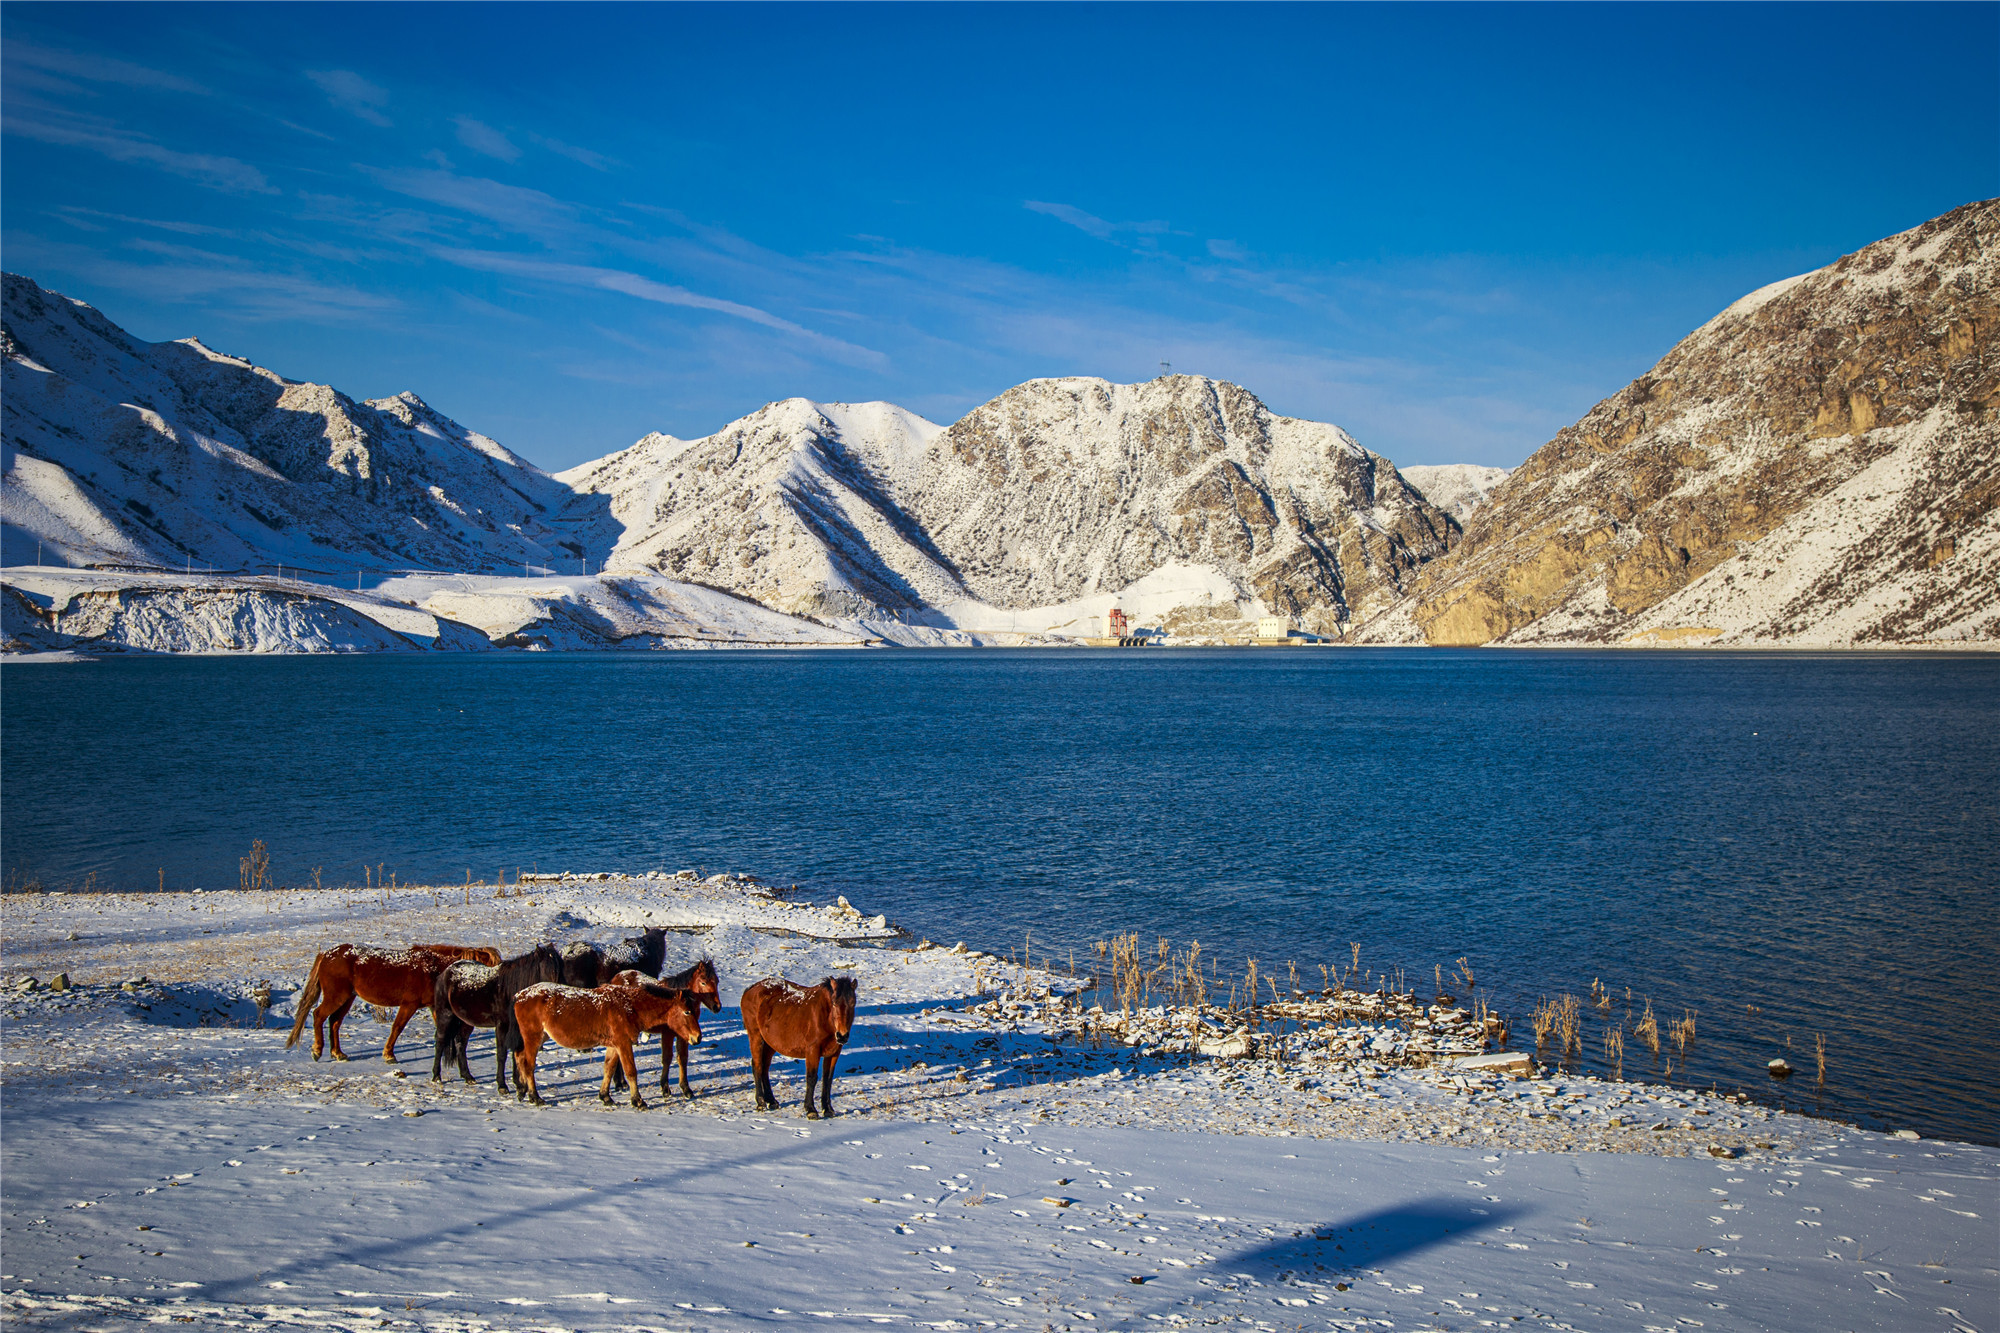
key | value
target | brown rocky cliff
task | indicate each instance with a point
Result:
(1759, 414)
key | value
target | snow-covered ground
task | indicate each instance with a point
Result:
(1456, 488)
(54, 609)
(1007, 1153)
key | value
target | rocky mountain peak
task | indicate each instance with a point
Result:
(1848, 411)
(1061, 488)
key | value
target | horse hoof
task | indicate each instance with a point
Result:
(812, 1115)
(338, 1056)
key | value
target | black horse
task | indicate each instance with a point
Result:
(592, 965)
(473, 996)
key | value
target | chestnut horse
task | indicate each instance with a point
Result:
(469, 996)
(398, 978)
(806, 1024)
(611, 1016)
(698, 980)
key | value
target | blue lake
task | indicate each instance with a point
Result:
(1791, 844)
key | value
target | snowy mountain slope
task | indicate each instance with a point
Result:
(1456, 488)
(1064, 488)
(1818, 464)
(54, 609)
(50, 609)
(167, 454)
(609, 611)
(793, 505)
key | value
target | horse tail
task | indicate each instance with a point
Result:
(308, 997)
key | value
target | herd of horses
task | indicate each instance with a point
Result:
(582, 997)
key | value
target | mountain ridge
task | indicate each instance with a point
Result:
(1649, 517)
(1815, 465)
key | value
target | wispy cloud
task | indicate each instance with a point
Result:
(226, 173)
(530, 212)
(26, 55)
(484, 139)
(660, 293)
(1093, 225)
(76, 216)
(352, 94)
(180, 276)
(595, 161)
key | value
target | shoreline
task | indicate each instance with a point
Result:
(1008, 1153)
(1342, 1064)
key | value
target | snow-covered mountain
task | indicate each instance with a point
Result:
(121, 451)
(794, 505)
(1056, 491)
(1456, 488)
(1062, 488)
(1817, 465)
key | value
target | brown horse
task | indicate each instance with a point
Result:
(611, 1016)
(701, 981)
(806, 1024)
(402, 978)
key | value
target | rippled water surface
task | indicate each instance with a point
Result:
(1790, 844)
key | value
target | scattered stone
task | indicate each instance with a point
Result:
(1779, 1068)
(412, 1115)
(1498, 1061)
(1232, 1047)
(1722, 1150)
(27, 984)
(61, 982)
(1907, 1135)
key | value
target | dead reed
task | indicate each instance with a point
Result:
(1648, 1029)
(1682, 1032)
(1614, 1051)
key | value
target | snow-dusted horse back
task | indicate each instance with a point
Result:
(612, 1016)
(805, 1023)
(402, 979)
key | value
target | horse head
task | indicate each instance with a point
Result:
(842, 990)
(706, 986)
(683, 1015)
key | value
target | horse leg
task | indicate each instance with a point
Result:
(462, 1047)
(826, 1083)
(760, 1073)
(623, 1055)
(681, 1053)
(333, 1023)
(810, 1111)
(404, 1013)
(443, 1040)
(503, 1044)
(325, 1019)
(668, 1043)
(524, 1069)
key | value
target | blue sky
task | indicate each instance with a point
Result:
(1449, 229)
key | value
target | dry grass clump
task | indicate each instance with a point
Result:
(1682, 1032)
(1648, 1029)
(1614, 1051)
